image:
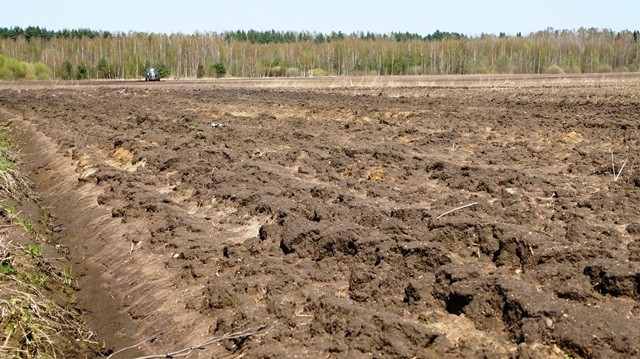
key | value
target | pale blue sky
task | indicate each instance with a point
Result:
(470, 17)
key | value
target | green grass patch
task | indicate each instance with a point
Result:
(6, 165)
(7, 268)
(34, 250)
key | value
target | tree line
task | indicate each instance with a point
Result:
(287, 37)
(253, 36)
(36, 32)
(80, 54)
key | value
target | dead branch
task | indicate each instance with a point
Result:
(186, 351)
(150, 339)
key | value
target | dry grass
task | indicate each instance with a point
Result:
(10, 181)
(32, 324)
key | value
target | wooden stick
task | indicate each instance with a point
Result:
(457, 208)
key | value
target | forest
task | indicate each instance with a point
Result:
(90, 54)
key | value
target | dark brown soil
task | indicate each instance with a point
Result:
(323, 214)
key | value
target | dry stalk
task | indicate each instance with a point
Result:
(5, 256)
(11, 182)
(456, 209)
(613, 165)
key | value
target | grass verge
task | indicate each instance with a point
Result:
(37, 318)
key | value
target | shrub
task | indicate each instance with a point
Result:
(163, 70)
(415, 70)
(41, 71)
(277, 71)
(554, 70)
(67, 70)
(200, 71)
(317, 72)
(218, 69)
(482, 69)
(572, 69)
(13, 69)
(103, 69)
(82, 72)
(604, 69)
(19, 69)
(292, 72)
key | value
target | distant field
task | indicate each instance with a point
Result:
(355, 81)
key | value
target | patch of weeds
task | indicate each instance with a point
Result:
(7, 268)
(7, 158)
(66, 276)
(6, 165)
(34, 250)
(26, 316)
(30, 324)
(429, 323)
(40, 238)
(5, 140)
(10, 212)
(41, 279)
(45, 220)
(27, 225)
(6, 259)
(11, 182)
(34, 276)
(33, 325)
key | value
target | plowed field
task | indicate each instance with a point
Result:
(485, 219)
